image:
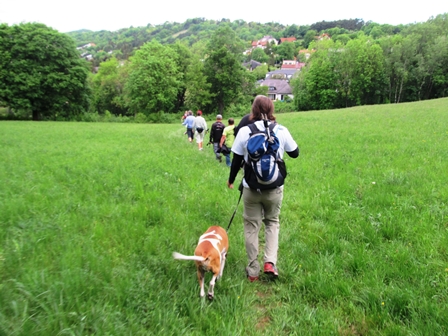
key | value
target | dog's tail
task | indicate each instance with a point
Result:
(184, 257)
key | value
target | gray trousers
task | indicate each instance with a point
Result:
(259, 207)
(215, 149)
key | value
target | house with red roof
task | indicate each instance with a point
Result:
(287, 39)
(263, 42)
(324, 36)
(292, 64)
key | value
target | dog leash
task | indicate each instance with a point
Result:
(236, 208)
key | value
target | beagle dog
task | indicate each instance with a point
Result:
(209, 255)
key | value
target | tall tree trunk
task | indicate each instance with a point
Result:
(401, 90)
(36, 115)
(221, 107)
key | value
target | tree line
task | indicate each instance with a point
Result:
(376, 67)
(41, 72)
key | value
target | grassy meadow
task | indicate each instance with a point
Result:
(91, 212)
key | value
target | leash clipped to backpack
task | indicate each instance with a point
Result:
(240, 188)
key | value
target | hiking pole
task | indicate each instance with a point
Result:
(240, 188)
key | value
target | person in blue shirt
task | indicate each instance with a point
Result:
(189, 122)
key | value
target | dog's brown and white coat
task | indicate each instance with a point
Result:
(209, 255)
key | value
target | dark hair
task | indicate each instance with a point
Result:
(231, 121)
(262, 105)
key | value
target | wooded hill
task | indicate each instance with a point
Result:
(122, 43)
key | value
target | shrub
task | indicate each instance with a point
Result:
(90, 117)
(283, 106)
(140, 118)
(162, 118)
(237, 110)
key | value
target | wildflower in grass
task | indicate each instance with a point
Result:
(373, 182)
(382, 303)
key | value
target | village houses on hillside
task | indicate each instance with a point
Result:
(278, 81)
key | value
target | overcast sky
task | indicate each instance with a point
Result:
(66, 16)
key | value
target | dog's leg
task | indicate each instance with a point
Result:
(211, 293)
(201, 275)
(223, 262)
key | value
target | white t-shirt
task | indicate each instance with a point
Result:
(287, 143)
(200, 122)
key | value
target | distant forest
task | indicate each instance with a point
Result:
(122, 43)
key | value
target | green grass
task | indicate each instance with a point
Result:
(91, 212)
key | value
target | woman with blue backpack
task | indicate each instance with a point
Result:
(261, 146)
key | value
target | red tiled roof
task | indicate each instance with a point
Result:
(296, 65)
(287, 39)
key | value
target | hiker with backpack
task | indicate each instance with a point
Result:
(215, 136)
(227, 139)
(200, 126)
(261, 146)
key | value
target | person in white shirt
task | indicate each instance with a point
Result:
(260, 204)
(200, 127)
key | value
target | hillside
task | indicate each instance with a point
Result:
(123, 42)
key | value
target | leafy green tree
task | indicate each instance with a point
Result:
(428, 68)
(309, 37)
(343, 38)
(400, 53)
(154, 79)
(269, 50)
(436, 74)
(107, 88)
(285, 51)
(360, 74)
(183, 57)
(291, 30)
(223, 68)
(259, 55)
(315, 86)
(262, 90)
(41, 72)
(376, 32)
(303, 30)
(248, 88)
(197, 94)
(261, 71)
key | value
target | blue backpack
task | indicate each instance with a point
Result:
(266, 169)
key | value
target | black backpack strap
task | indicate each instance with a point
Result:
(253, 129)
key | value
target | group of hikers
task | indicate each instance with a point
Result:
(221, 137)
(258, 145)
